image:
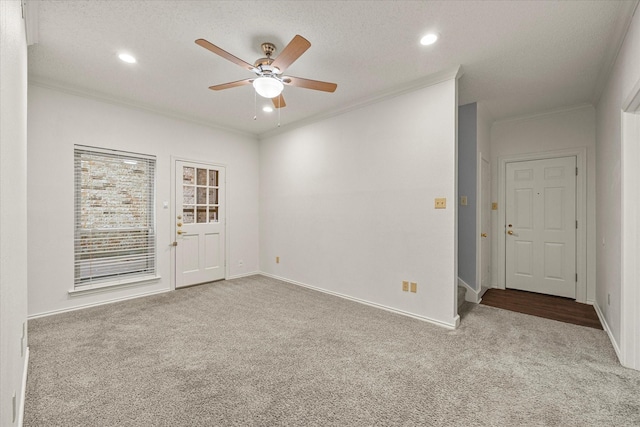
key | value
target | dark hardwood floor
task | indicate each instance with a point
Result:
(547, 306)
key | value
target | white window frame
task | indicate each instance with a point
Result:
(115, 275)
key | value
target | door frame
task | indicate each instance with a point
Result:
(173, 214)
(581, 213)
(479, 202)
(630, 231)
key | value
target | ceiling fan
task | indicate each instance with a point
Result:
(270, 82)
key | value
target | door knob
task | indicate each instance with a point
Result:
(180, 232)
(510, 232)
(179, 224)
(484, 235)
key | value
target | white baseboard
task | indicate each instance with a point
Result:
(454, 325)
(238, 276)
(472, 295)
(25, 370)
(95, 304)
(607, 329)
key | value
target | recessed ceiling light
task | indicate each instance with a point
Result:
(127, 58)
(267, 109)
(428, 39)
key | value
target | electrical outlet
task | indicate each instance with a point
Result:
(240, 263)
(277, 260)
(405, 286)
(463, 200)
(441, 203)
(414, 287)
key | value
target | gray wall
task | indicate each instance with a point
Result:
(467, 185)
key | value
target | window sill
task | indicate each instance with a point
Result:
(109, 286)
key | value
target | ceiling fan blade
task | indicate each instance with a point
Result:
(231, 84)
(310, 84)
(278, 101)
(296, 47)
(223, 53)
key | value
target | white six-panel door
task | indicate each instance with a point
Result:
(540, 229)
(200, 223)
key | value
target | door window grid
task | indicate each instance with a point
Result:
(200, 203)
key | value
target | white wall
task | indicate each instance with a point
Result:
(625, 74)
(484, 123)
(59, 120)
(571, 128)
(484, 131)
(347, 203)
(13, 205)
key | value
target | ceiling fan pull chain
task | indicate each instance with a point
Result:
(255, 108)
(279, 98)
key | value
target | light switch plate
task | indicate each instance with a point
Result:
(494, 206)
(441, 203)
(405, 286)
(414, 287)
(463, 200)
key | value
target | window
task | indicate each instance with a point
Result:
(115, 239)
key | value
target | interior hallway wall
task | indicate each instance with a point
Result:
(467, 187)
(571, 128)
(485, 121)
(625, 74)
(13, 208)
(347, 203)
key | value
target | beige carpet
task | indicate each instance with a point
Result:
(260, 352)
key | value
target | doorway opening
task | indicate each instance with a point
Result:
(630, 236)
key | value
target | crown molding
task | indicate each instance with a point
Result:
(551, 112)
(432, 79)
(632, 101)
(100, 96)
(622, 25)
(31, 18)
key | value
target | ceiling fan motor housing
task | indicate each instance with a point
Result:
(263, 64)
(268, 49)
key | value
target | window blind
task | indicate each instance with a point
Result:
(115, 237)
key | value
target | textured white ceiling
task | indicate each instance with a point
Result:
(518, 57)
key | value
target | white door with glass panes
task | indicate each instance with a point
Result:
(540, 229)
(200, 223)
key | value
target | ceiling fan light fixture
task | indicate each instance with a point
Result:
(429, 39)
(129, 59)
(268, 87)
